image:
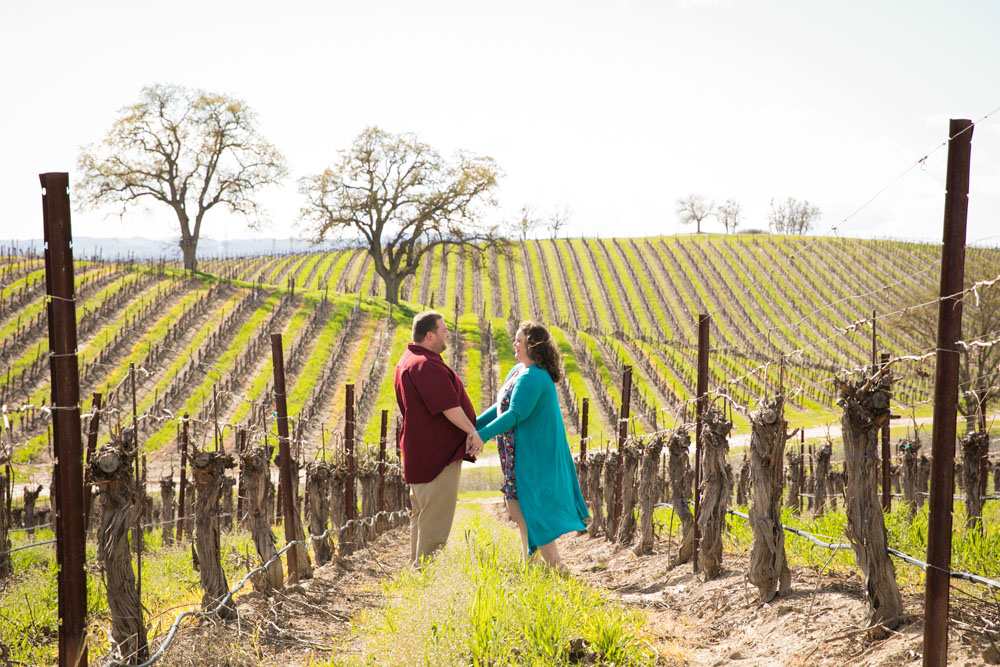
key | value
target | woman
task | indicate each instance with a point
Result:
(540, 485)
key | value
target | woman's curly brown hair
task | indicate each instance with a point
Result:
(542, 349)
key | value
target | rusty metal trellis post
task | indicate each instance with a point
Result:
(71, 538)
(886, 453)
(622, 434)
(349, 455)
(383, 433)
(284, 453)
(88, 491)
(180, 494)
(700, 407)
(956, 209)
(584, 418)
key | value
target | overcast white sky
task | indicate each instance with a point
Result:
(615, 109)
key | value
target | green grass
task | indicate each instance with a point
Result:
(476, 604)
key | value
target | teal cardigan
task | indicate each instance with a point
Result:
(548, 491)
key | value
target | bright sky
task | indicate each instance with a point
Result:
(615, 109)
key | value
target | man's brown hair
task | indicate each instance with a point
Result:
(424, 323)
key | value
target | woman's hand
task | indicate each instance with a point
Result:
(473, 444)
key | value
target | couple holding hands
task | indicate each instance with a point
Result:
(440, 430)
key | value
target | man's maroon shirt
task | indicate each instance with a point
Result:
(425, 388)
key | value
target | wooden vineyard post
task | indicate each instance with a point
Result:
(623, 420)
(886, 450)
(345, 542)
(298, 557)
(88, 491)
(700, 406)
(181, 516)
(65, 383)
(382, 435)
(939, 528)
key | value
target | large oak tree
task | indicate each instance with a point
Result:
(189, 149)
(404, 199)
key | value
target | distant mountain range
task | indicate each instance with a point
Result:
(142, 248)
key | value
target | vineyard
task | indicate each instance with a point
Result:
(177, 378)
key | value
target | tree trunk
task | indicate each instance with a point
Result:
(630, 456)
(595, 465)
(716, 491)
(768, 569)
(974, 447)
(189, 245)
(679, 444)
(866, 411)
(111, 470)
(392, 285)
(255, 473)
(649, 491)
(208, 469)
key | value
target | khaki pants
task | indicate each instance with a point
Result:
(432, 507)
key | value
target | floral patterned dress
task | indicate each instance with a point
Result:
(505, 441)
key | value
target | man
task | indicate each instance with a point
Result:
(438, 420)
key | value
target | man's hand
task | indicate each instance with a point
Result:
(473, 444)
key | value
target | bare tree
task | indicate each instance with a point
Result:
(404, 199)
(189, 149)
(559, 218)
(730, 215)
(792, 216)
(694, 209)
(527, 221)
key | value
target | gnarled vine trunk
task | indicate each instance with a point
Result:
(822, 475)
(208, 469)
(167, 504)
(256, 475)
(5, 566)
(111, 470)
(794, 476)
(768, 568)
(630, 455)
(910, 475)
(717, 488)
(318, 508)
(866, 411)
(974, 446)
(649, 492)
(679, 444)
(611, 462)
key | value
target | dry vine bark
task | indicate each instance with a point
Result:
(768, 568)
(974, 446)
(679, 444)
(255, 473)
(743, 482)
(167, 503)
(318, 508)
(595, 465)
(717, 488)
(338, 509)
(227, 503)
(794, 475)
(111, 470)
(630, 456)
(30, 498)
(866, 411)
(649, 492)
(368, 479)
(208, 469)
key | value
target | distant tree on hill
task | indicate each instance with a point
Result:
(558, 219)
(730, 215)
(792, 216)
(189, 149)
(404, 199)
(694, 209)
(527, 221)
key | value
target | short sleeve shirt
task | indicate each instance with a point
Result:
(425, 388)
